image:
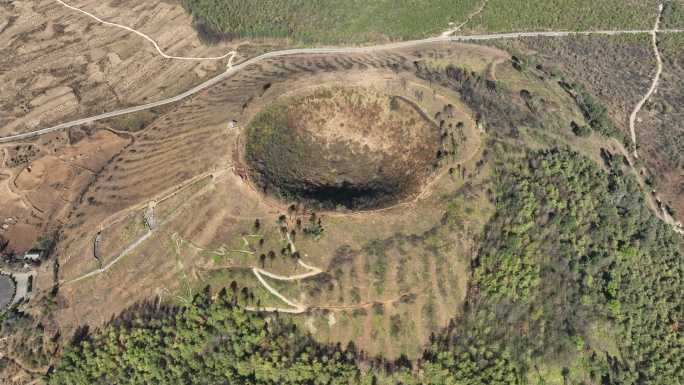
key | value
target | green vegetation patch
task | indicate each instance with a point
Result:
(326, 21)
(575, 15)
(571, 246)
(673, 14)
(571, 250)
(206, 342)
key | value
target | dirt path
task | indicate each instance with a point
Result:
(652, 200)
(230, 54)
(366, 305)
(150, 222)
(111, 263)
(452, 31)
(655, 202)
(296, 308)
(654, 84)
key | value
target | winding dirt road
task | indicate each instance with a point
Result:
(148, 38)
(150, 222)
(654, 84)
(297, 308)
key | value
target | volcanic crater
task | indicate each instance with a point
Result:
(348, 147)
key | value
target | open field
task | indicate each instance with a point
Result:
(42, 179)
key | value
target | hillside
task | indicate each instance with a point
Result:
(244, 203)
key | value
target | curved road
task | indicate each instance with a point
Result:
(654, 84)
(146, 37)
(234, 69)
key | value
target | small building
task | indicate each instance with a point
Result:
(33, 255)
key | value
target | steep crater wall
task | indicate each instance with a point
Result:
(350, 147)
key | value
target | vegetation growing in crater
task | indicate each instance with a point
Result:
(350, 147)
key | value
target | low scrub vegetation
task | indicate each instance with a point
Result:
(524, 15)
(673, 15)
(325, 21)
(594, 112)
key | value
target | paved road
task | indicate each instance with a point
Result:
(234, 69)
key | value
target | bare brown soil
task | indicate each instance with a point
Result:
(38, 194)
(59, 64)
(352, 147)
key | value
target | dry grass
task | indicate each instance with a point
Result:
(391, 276)
(660, 130)
(59, 64)
(617, 70)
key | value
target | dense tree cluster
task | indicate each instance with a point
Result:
(571, 246)
(594, 112)
(211, 341)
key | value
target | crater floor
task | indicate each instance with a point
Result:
(351, 147)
